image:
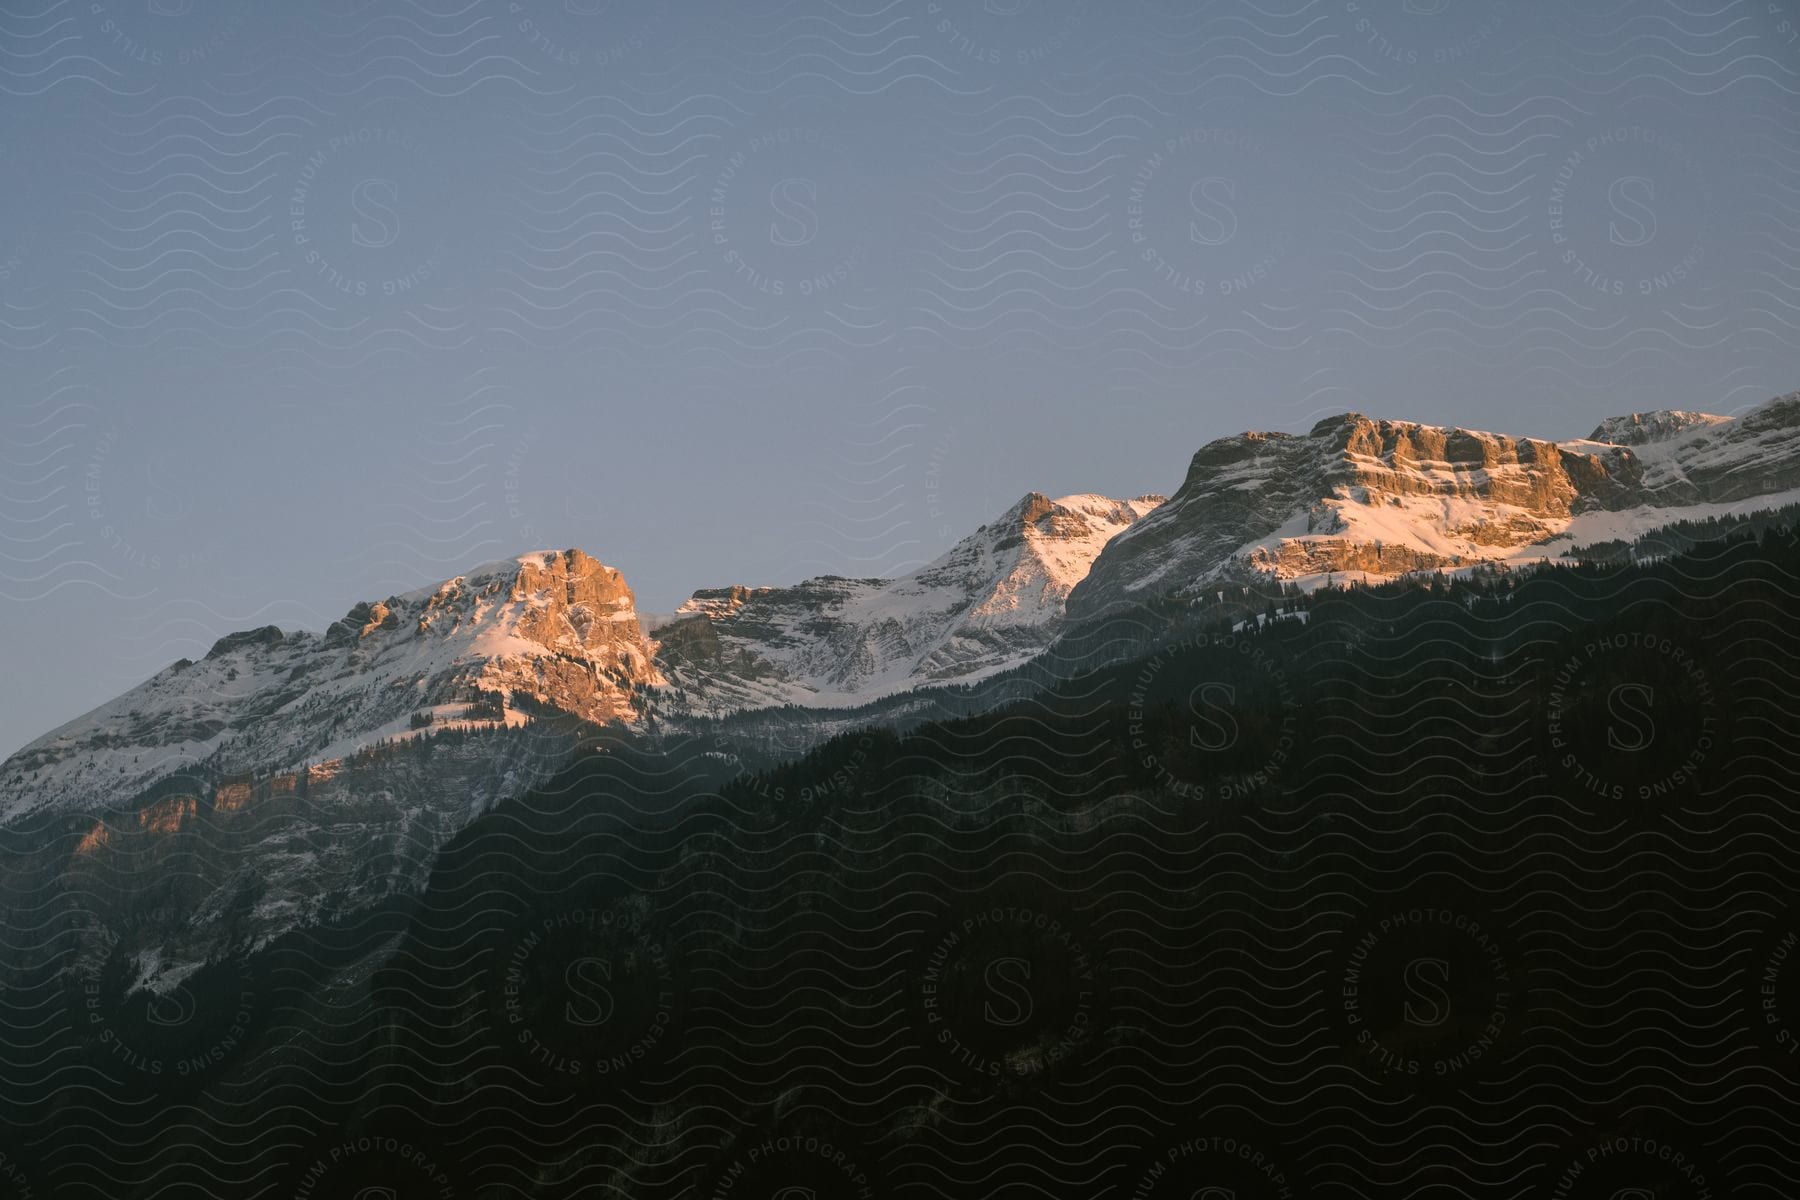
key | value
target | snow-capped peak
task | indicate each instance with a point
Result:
(992, 600)
(549, 629)
(1357, 498)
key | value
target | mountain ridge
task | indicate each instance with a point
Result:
(1355, 497)
(1272, 505)
(1361, 498)
(325, 768)
(558, 632)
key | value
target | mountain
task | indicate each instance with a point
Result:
(1360, 499)
(553, 631)
(992, 601)
(297, 773)
(1355, 498)
(558, 632)
(1079, 910)
(291, 774)
(286, 774)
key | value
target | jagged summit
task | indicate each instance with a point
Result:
(1322, 425)
(1631, 429)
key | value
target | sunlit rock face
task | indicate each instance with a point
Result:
(1360, 499)
(295, 773)
(546, 631)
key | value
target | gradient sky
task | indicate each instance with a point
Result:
(304, 304)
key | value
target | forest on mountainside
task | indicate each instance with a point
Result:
(1505, 856)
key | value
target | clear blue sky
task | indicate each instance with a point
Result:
(309, 303)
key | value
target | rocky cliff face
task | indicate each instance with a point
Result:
(1359, 498)
(993, 600)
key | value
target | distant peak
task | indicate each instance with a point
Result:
(1658, 425)
(1068, 512)
(573, 562)
(1328, 424)
(531, 568)
(267, 635)
(717, 603)
(1033, 507)
(554, 582)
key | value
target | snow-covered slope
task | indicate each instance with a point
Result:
(547, 629)
(292, 773)
(1658, 425)
(1359, 498)
(993, 600)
